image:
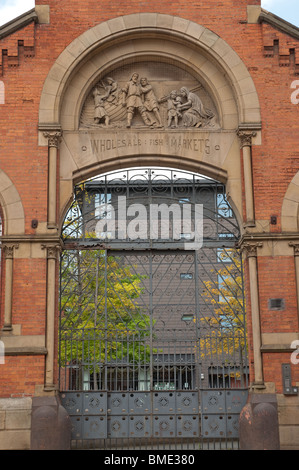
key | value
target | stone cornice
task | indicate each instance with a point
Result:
(246, 237)
(45, 239)
(250, 241)
(253, 126)
(54, 127)
(279, 23)
(18, 23)
(26, 351)
(24, 345)
(268, 236)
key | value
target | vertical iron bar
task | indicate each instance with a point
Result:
(95, 324)
(151, 368)
(60, 328)
(196, 346)
(106, 324)
(96, 294)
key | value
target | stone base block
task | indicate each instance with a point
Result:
(51, 425)
(259, 427)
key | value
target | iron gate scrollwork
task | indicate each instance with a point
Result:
(150, 328)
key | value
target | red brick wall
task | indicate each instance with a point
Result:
(272, 369)
(20, 375)
(276, 278)
(29, 295)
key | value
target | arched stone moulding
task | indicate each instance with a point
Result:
(12, 207)
(139, 36)
(151, 37)
(148, 50)
(290, 207)
(127, 40)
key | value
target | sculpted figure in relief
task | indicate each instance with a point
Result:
(117, 106)
(132, 100)
(110, 95)
(195, 113)
(150, 101)
(172, 109)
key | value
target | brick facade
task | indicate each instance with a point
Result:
(29, 48)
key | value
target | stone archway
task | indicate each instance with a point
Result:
(216, 53)
(118, 45)
(13, 212)
(290, 207)
(13, 224)
(133, 39)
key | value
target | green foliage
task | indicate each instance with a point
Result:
(101, 319)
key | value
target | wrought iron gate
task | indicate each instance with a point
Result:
(152, 341)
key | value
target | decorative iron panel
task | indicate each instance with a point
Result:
(139, 403)
(94, 427)
(88, 413)
(99, 415)
(220, 411)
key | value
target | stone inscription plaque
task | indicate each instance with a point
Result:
(202, 145)
(90, 147)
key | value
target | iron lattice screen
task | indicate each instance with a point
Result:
(151, 321)
(126, 209)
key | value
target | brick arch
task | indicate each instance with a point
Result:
(290, 207)
(178, 31)
(12, 207)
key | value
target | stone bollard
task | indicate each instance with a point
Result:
(50, 425)
(258, 426)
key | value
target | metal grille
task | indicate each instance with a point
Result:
(115, 197)
(220, 412)
(144, 333)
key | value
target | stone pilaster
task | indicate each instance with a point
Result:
(54, 138)
(250, 250)
(295, 245)
(52, 257)
(245, 137)
(8, 251)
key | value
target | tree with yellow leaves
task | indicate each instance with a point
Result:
(223, 330)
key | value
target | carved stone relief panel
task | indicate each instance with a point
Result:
(149, 95)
